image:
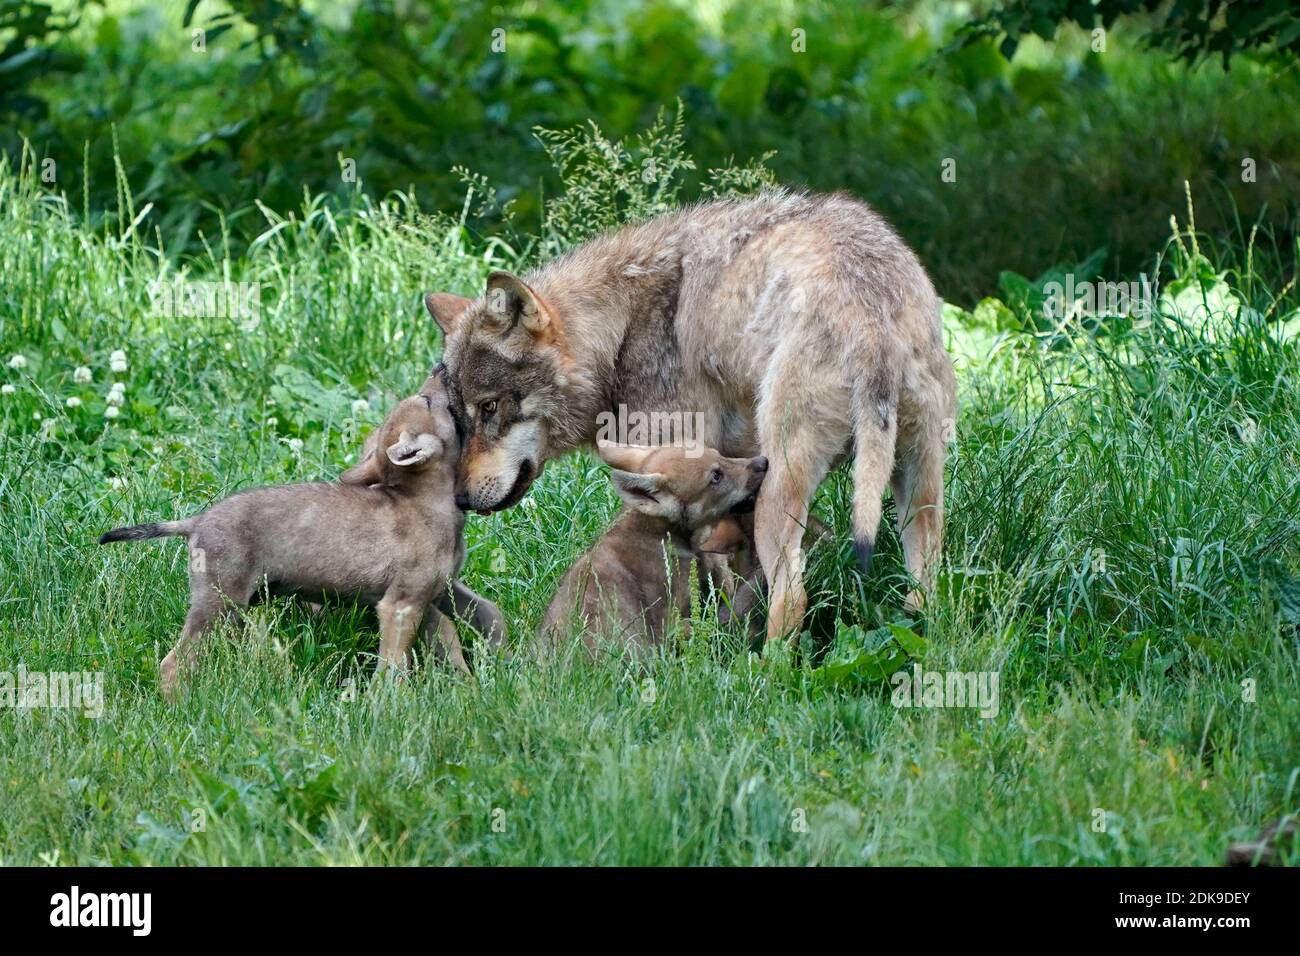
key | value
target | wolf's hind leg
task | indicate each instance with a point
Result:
(918, 495)
(926, 426)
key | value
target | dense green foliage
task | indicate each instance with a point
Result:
(1063, 152)
(1122, 550)
(1192, 29)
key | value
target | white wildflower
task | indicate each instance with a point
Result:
(117, 483)
(18, 361)
(295, 445)
(118, 387)
(81, 375)
(7, 389)
(114, 398)
(112, 411)
(360, 406)
(73, 402)
(117, 360)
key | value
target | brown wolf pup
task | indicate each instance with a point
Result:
(629, 585)
(796, 326)
(389, 534)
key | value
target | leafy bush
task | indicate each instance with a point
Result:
(1058, 154)
(1190, 30)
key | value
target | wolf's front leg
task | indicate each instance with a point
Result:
(798, 465)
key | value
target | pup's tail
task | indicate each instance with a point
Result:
(140, 532)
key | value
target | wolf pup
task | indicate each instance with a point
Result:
(389, 534)
(627, 587)
(796, 326)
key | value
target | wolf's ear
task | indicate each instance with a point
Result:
(414, 450)
(446, 309)
(626, 457)
(646, 493)
(364, 472)
(510, 300)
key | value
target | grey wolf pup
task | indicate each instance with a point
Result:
(637, 576)
(388, 534)
(796, 326)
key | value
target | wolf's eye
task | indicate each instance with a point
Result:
(488, 408)
(715, 476)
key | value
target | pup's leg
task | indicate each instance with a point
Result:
(213, 597)
(799, 446)
(481, 614)
(206, 609)
(717, 575)
(440, 626)
(399, 622)
(744, 603)
(817, 532)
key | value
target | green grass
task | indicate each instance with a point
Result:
(1172, 451)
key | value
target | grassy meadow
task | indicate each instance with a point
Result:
(1121, 551)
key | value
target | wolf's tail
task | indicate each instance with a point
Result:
(140, 532)
(909, 453)
(875, 433)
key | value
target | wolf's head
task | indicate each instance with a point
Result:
(506, 375)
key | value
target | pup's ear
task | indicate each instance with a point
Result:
(367, 469)
(365, 472)
(646, 493)
(723, 537)
(410, 451)
(510, 300)
(626, 457)
(446, 309)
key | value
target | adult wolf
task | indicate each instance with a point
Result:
(800, 325)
